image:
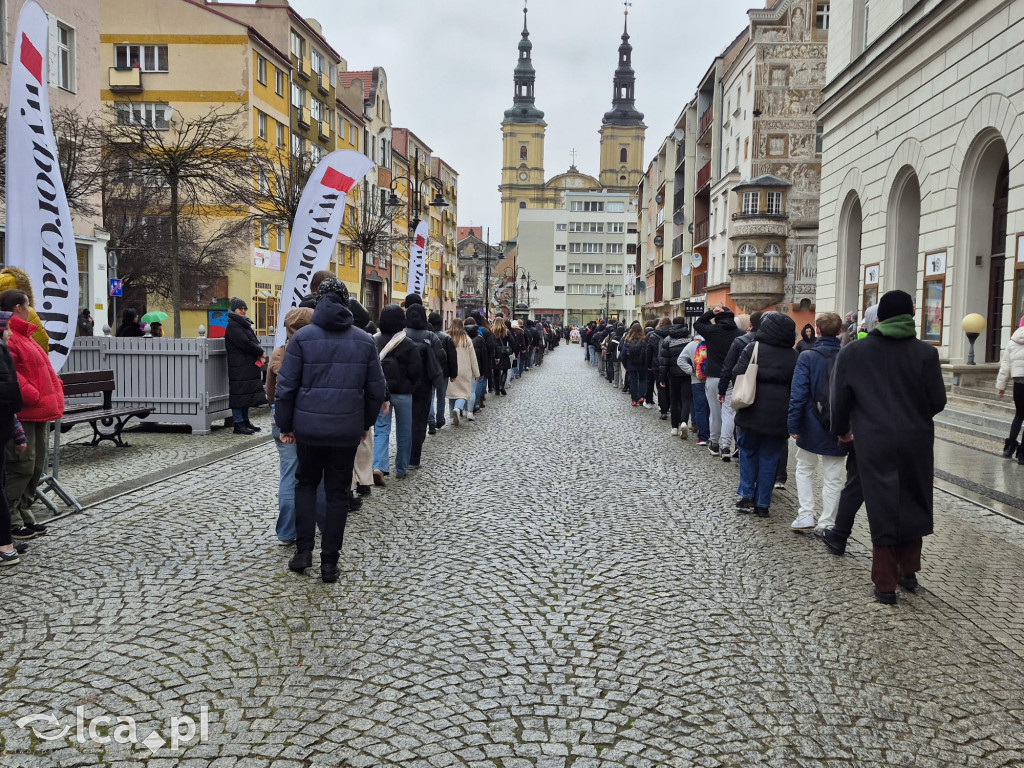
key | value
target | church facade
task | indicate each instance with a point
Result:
(523, 182)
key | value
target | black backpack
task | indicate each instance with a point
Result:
(821, 405)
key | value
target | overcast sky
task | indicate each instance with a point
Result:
(449, 65)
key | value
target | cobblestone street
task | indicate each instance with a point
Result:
(561, 585)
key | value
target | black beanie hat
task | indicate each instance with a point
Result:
(237, 303)
(359, 313)
(434, 318)
(332, 285)
(392, 319)
(413, 298)
(894, 304)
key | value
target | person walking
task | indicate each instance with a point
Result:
(435, 363)
(245, 358)
(886, 390)
(436, 418)
(460, 388)
(655, 332)
(10, 404)
(673, 379)
(749, 325)
(329, 391)
(718, 328)
(503, 355)
(634, 360)
(287, 457)
(810, 428)
(476, 402)
(42, 394)
(693, 360)
(762, 425)
(402, 364)
(1011, 371)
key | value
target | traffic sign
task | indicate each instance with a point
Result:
(116, 285)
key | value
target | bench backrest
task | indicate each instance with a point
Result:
(89, 383)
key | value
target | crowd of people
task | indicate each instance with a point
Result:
(345, 389)
(859, 397)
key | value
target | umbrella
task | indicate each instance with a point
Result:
(154, 317)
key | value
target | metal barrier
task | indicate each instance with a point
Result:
(184, 381)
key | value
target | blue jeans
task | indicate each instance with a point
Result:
(240, 415)
(637, 384)
(520, 365)
(437, 404)
(759, 458)
(479, 390)
(288, 462)
(401, 407)
(595, 353)
(459, 403)
(700, 413)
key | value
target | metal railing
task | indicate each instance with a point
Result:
(704, 175)
(705, 120)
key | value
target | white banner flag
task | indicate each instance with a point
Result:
(40, 234)
(316, 225)
(418, 260)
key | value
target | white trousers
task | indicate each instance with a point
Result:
(806, 464)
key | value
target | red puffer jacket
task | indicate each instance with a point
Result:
(41, 390)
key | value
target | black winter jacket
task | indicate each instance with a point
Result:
(671, 346)
(245, 379)
(718, 332)
(634, 355)
(417, 329)
(733, 356)
(331, 386)
(403, 367)
(655, 336)
(776, 361)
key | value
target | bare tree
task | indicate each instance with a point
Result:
(280, 179)
(204, 162)
(79, 155)
(373, 231)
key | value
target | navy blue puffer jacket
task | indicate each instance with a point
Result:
(331, 386)
(807, 378)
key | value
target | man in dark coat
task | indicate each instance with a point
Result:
(245, 361)
(886, 389)
(672, 378)
(656, 331)
(725, 386)
(329, 392)
(434, 364)
(435, 420)
(718, 328)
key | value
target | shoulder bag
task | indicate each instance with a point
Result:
(744, 388)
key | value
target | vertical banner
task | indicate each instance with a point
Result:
(418, 260)
(316, 225)
(40, 233)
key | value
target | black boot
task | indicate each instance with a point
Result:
(301, 561)
(329, 572)
(1009, 447)
(1020, 454)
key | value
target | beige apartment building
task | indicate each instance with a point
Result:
(75, 83)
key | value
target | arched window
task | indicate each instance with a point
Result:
(770, 261)
(623, 155)
(747, 257)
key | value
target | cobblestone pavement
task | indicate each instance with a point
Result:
(561, 585)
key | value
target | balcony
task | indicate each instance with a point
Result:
(757, 285)
(705, 120)
(325, 129)
(125, 80)
(323, 83)
(677, 289)
(760, 215)
(680, 153)
(302, 115)
(678, 199)
(305, 69)
(700, 284)
(700, 230)
(704, 176)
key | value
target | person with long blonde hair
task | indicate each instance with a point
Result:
(461, 388)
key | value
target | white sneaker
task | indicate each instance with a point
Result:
(803, 523)
(469, 415)
(684, 431)
(648, 406)
(675, 432)
(456, 416)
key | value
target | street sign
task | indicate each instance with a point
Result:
(693, 309)
(116, 285)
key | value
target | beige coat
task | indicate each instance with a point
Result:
(469, 371)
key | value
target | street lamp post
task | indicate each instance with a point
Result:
(488, 258)
(415, 194)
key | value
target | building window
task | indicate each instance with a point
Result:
(559, 267)
(575, 288)
(522, 204)
(616, 228)
(559, 289)
(65, 57)
(560, 227)
(867, 22)
(282, 237)
(574, 269)
(264, 182)
(751, 203)
(747, 257)
(316, 60)
(298, 145)
(819, 139)
(524, 152)
(150, 114)
(821, 17)
(777, 146)
(746, 148)
(298, 96)
(770, 259)
(593, 269)
(623, 155)
(560, 247)
(613, 207)
(613, 248)
(353, 136)
(261, 70)
(261, 125)
(298, 47)
(279, 82)
(589, 206)
(774, 204)
(148, 58)
(280, 135)
(264, 235)
(613, 269)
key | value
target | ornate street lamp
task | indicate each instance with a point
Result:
(974, 326)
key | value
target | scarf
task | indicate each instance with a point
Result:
(899, 327)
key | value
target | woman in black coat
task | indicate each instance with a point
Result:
(130, 325)
(245, 361)
(762, 426)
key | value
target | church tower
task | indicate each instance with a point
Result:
(623, 129)
(522, 171)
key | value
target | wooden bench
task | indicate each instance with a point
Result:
(107, 422)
